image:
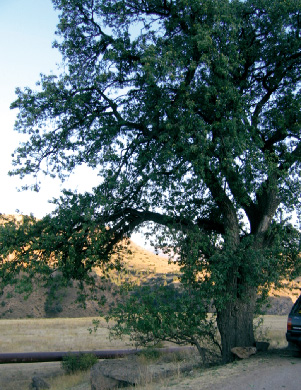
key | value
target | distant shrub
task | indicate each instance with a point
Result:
(81, 362)
(152, 353)
(56, 292)
(52, 308)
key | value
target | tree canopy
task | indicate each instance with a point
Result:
(190, 113)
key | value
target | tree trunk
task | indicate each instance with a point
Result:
(235, 323)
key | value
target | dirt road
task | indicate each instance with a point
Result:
(272, 371)
(262, 372)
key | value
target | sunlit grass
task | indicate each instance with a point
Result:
(71, 334)
(273, 330)
(55, 334)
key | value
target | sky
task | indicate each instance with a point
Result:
(26, 35)
(27, 31)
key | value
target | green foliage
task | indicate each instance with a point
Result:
(155, 313)
(150, 353)
(78, 362)
(55, 296)
(189, 111)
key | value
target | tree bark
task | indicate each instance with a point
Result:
(235, 323)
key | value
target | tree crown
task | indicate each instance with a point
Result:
(189, 110)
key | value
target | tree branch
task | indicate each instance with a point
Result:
(127, 219)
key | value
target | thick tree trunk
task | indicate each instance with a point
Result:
(235, 324)
(236, 304)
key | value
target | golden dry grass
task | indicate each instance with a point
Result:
(142, 264)
(291, 289)
(273, 330)
(59, 334)
(72, 334)
(140, 259)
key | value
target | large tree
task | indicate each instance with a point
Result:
(190, 112)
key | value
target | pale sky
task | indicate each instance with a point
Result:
(27, 30)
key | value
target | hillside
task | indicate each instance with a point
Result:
(140, 265)
(61, 301)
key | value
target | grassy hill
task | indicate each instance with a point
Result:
(63, 301)
(140, 265)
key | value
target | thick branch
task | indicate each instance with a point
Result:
(127, 219)
(228, 211)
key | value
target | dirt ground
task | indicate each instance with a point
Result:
(274, 370)
(271, 371)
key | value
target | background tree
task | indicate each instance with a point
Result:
(190, 112)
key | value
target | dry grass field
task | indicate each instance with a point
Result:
(272, 329)
(24, 328)
(72, 334)
(43, 335)
(55, 334)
